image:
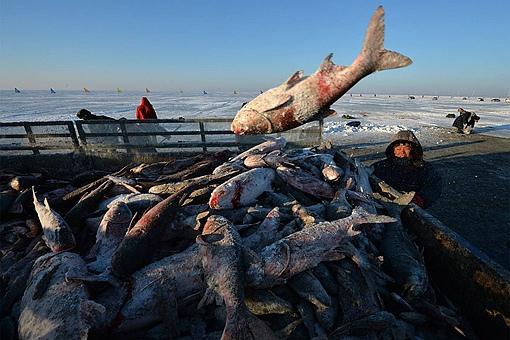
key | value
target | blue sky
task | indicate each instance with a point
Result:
(458, 47)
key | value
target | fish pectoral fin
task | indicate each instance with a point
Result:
(95, 282)
(208, 298)
(266, 102)
(294, 79)
(208, 239)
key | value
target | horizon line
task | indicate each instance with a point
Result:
(115, 90)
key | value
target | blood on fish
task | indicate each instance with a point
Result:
(324, 86)
(236, 197)
(285, 119)
(215, 199)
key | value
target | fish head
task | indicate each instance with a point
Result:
(215, 224)
(63, 239)
(119, 212)
(250, 122)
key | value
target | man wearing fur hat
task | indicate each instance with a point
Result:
(405, 170)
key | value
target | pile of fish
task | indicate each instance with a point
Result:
(271, 243)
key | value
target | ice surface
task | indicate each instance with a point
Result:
(381, 115)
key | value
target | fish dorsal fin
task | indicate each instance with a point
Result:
(269, 100)
(327, 65)
(294, 79)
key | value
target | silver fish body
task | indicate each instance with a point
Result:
(272, 159)
(242, 189)
(139, 202)
(221, 253)
(53, 307)
(110, 233)
(182, 271)
(56, 232)
(302, 99)
(305, 182)
(304, 249)
(266, 232)
(269, 145)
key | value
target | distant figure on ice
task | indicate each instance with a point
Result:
(405, 170)
(465, 122)
(87, 115)
(99, 128)
(145, 110)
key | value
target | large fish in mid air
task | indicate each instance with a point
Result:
(302, 99)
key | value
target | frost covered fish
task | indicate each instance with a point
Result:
(271, 144)
(182, 270)
(110, 233)
(273, 159)
(221, 253)
(242, 189)
(56, 232)
(137, 202)
(302, 99)
(305, 249)
(266, 232)
(306, 182)
(137, 247)
(53, 307)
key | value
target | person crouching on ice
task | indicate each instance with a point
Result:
(465, 122)
(145, 110)
(405, 170)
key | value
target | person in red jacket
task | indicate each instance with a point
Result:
(145, 110)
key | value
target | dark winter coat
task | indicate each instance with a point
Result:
(410, 174)
(465, 119)
(87, 115)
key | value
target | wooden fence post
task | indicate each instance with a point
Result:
(31, 138)
(81, 133)
(72, 132)
(202, 135)
(321, 126)
(125, 137)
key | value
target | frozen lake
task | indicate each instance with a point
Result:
(380, 115)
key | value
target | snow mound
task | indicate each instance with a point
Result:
(341, 127)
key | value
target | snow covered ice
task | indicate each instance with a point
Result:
(380, 116)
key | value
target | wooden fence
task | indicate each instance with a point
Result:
(128, 135)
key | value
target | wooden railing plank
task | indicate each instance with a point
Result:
(79, 138)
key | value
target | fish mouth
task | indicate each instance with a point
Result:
(250, 122)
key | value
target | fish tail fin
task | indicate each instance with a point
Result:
(373, 46)
(242, 324)
(37, 203)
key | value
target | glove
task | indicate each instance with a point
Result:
(419, 201)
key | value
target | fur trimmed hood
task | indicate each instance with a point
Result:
(409, 137)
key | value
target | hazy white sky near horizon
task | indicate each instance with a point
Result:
(457, 47)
